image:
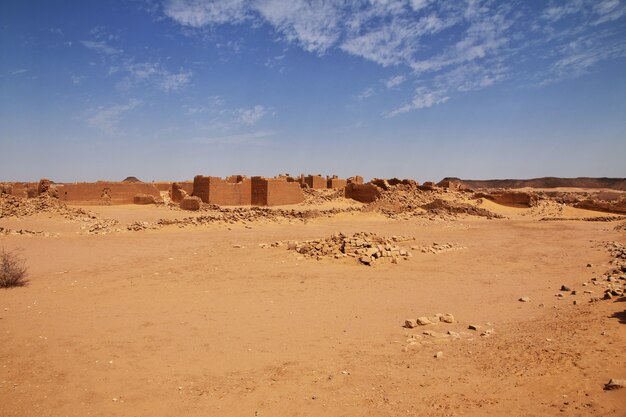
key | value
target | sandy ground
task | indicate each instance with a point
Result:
(180, 322)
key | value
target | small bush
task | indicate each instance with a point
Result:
(13, 272)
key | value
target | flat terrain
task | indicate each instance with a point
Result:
(203, 321)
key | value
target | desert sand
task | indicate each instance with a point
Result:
(220, 318)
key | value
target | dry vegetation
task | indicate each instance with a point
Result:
(13, 271)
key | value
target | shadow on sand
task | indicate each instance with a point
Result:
(620, 315)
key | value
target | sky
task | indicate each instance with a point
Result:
(422, 89)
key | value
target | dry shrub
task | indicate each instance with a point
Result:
(13, 272)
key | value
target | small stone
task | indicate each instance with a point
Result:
(474, 327)
(439, 355)
(423, 321)
(588, 265)
(607, 296)
(409, 324)
(524, 299)
(614, 384)
(565, 288)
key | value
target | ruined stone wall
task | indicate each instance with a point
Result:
(365, 193)
(105, 192)
(357, 179)
(336, 183)
(315, 181)
(214, 190)
(275, 192)
(259, 191)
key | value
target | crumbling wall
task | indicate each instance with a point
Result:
(357, 179)
(275, 192)
(336, 183)
(214, 190)
(365, 193)
(105, 192)
(315, 181)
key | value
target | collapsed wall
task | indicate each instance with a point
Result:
(365, 193)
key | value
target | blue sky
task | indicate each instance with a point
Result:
(165, 90)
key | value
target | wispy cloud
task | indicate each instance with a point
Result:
(446, 47)
(395, 81)
(108, 118)
(367, 93)
(252, 115)
(100, 47)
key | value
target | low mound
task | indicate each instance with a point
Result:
(131, 179)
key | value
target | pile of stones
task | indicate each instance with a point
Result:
(313, 196)
(437, 248)
(366, 248)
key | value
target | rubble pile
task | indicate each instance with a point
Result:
(4, 231)
(437, 248)
(11, 206)
(319, 196)
(444, 207)
(215, 214)
(404, 201)
(584, 219)
(613, 281)
(367, 248)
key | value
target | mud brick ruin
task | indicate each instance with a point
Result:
(234, 190)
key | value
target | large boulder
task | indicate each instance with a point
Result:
(191, 203)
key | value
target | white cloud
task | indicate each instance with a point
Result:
(395, 81)
(423, 98)
(198, 13)
(449, 47)
(77, 79)
(368, 92)
(107, 118)
(252, 115)
(18, 71)
(100, 47)
(151, 73)
(314, 24)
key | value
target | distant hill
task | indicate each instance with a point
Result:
(546, 182)
(132, 179)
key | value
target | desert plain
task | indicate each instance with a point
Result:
(151, 310)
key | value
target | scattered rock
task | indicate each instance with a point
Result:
(474, 327)
(423, 321)
(447, 318)
(409, 324)
(524, 299)
(439, 355)
(614, 384)
(565, 288)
